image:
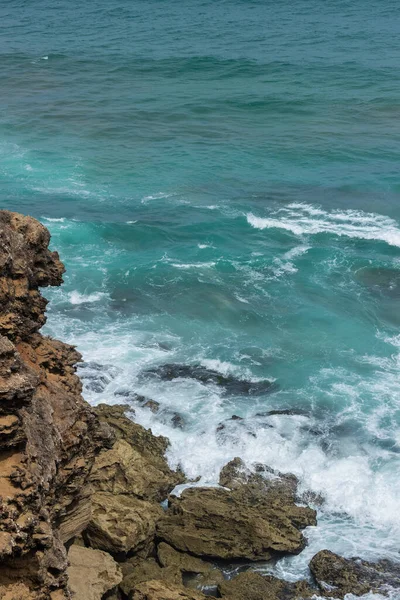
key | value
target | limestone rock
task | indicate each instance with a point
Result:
(91, 573)
(151, 448)
(149, 570)
(251, 521)
(337, 576)
(124, 470)
(253, 586)
(161, 590)
(121, 523)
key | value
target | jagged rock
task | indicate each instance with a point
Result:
(148, 570)
(123, 470)
(48, 435)
(162, 590)
(152, 448)
(169, 557)
(251, 521)
(91, 573)
(121, 523)
(229, 383)
(338, 576)
(253, 586)
(153, 405)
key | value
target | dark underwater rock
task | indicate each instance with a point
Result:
(380, 280)
(95, 376)
(231, 385)
(337, 576)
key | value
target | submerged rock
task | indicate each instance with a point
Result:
(380, 280)
(337, 576)
(91, 573)
(230, 384)
(253, 586)
(251, 521)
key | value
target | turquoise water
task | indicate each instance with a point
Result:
(222, 182)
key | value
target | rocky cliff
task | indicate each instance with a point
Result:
(48, 435)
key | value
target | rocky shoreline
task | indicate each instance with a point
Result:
(83, 490)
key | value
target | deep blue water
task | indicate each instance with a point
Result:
(222, 182)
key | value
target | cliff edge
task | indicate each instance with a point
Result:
(48, 435)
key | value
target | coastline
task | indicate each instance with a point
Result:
(82, 488)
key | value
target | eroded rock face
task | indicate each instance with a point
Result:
(252, 520)
(337, 576)
(91, 573)
(48, 434)
(129, 481)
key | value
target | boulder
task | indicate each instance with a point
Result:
(161, 590)
(124, 470)
(152, 448)
(250, 521)
(253, 586)
(121, 523)
(91, 573)
(338, 576)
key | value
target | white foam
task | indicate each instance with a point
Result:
(54, 220)
(304, 219)
(204, 265)
(78, 298)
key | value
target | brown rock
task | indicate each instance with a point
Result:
(148, 570)
(91, 573)
(253, 586)
(48, 434)
(253, 520)
(121, 523)
(123, 470)
(162, 590)
(338, 576)
(150, 447)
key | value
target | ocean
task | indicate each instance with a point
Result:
(221, 180)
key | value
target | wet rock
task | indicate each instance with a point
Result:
(251, 521)
(286, 411)
(337, 576)
(95, 376)
(91, 573)
(230, 384)
(253, 586)
(152, 405)
(178, 421)
(148, 570)
(162, 590)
